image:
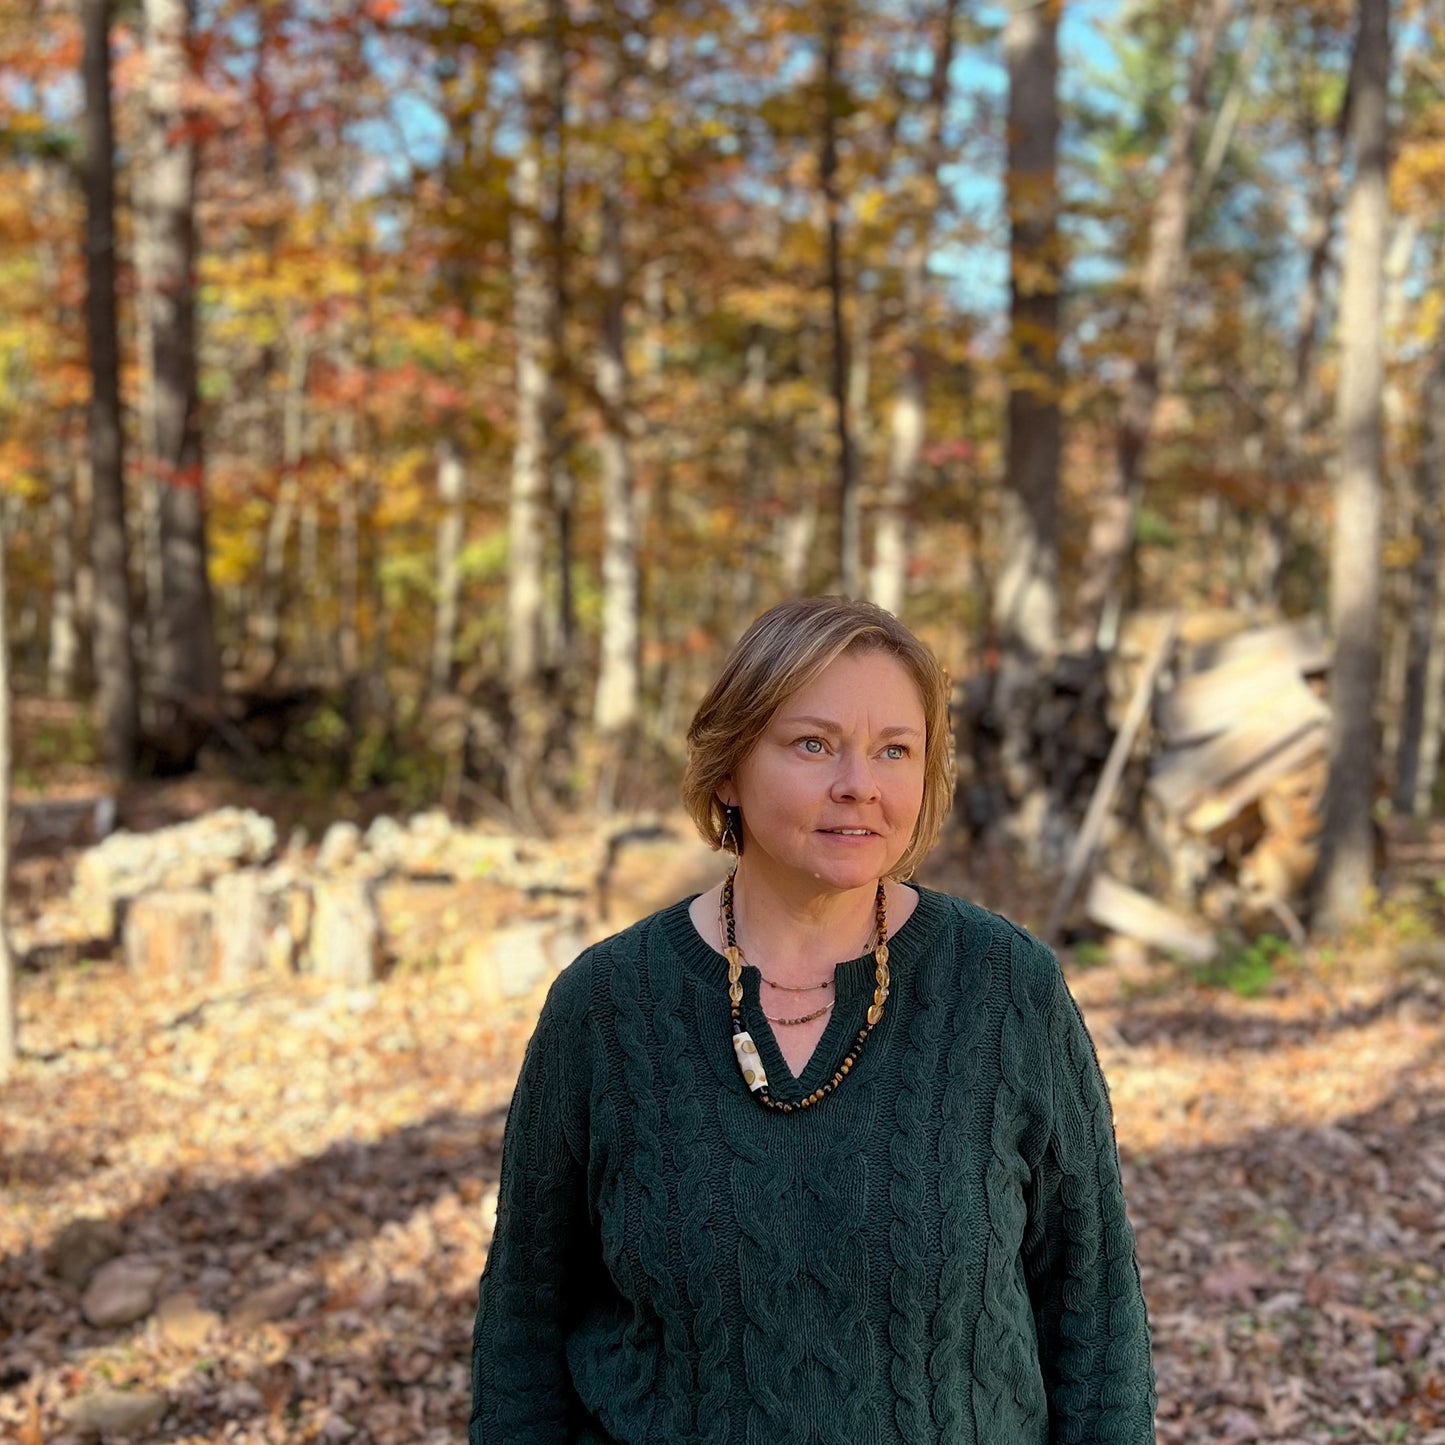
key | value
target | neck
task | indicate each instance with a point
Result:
(794, 936)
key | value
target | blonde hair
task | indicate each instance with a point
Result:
(785, 649)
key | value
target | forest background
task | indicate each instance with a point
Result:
(408, 402)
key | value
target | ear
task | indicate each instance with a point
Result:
(726, 794)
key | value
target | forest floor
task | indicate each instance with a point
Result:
(311, 1170)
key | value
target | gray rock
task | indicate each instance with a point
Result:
(114, 1412)
(82, 1247)
(121, 1292)
(272, 1302)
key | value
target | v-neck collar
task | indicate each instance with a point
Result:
(705, 967)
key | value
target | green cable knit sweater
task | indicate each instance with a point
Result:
(937, 1252)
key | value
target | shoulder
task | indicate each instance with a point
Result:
(593, 970)
(1030, 965)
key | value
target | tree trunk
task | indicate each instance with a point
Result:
(1026, 603)
(908, 424)
(9, 1032)
(1412, 788)
(1026, 595)
(850, 538)
(1346, 863)
(561, 481)
(64, 652)
(532, 299)
(188, 672)
(451, 488)
(348, 551)
(114, 661)
(278, 526)
(1296, 467)
(1153, 335)
(315, 590)
(615, 705)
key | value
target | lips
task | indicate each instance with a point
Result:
(849, 832)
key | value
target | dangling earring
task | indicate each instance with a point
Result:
(731, 836)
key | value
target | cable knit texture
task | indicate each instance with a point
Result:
(938, 1252)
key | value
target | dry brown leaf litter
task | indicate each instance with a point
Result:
(313, 1168)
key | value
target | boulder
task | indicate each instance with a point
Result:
(82, 1247)
(121, 1292)
(114, 1412)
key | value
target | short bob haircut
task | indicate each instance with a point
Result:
(785, 649)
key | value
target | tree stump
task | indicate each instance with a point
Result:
(170, 933)
(345, 942)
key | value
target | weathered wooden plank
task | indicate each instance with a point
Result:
(1125, 910)
(1184, 778)
(1218, 808)
(1201, 704)
(1304, 640)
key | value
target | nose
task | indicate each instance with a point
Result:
(854, 779)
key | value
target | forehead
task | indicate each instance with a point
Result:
(870, 688)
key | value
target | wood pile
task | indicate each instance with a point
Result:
(1228, 818)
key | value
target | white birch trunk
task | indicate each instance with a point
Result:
(888, 575)
(616, 701)
(64, 651)
(451, 489)
(531, 302)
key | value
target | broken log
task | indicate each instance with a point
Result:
(1125, 910)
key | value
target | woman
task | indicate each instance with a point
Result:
(819, 1155)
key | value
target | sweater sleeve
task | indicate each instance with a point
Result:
(1080, 1258)
(527, 1298)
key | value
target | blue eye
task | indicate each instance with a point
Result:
(812, 745)
(896, 752)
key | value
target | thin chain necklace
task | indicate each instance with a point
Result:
(803, 1018)
(746, 1050)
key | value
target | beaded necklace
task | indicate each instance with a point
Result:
(744, 1047)
(806, 1018)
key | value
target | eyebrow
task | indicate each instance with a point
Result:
(824, 726)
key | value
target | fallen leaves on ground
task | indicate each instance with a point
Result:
(312, 1168)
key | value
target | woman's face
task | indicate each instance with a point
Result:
(831, 791)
